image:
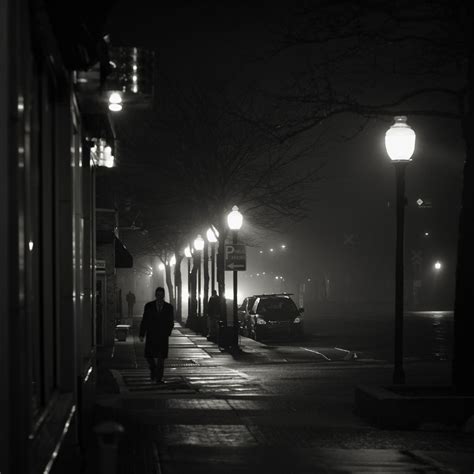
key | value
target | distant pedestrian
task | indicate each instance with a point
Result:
(119, 304)
(214, 309)
(130, 302)
(157, 324)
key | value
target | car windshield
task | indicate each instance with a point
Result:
(277, 309)
(247, 304)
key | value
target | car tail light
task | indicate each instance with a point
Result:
(297, 320)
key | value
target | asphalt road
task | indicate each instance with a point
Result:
(428, 335)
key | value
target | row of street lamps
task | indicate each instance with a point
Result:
(400, 145)
(234, 223)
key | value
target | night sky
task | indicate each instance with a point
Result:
(350, 224)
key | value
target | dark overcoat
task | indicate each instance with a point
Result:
(214, 307)
(156, 327)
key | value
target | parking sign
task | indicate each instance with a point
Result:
(235, 258)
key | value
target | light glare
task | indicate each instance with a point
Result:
(199, 243)
(115, 98)
(115, 107)
(211, 236)
(400, 140)
(235, 219)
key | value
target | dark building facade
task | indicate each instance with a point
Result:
(47, 236)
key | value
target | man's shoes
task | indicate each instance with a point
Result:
(160, 382)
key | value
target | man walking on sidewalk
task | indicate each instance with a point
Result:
(130, 302)
(156, 325)
(213, 312)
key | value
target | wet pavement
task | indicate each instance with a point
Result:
(428, 335)
(271, 408)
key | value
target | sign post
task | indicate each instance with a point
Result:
(235, 261)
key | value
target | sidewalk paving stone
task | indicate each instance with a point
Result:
(217, 417)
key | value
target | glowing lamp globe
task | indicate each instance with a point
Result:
(115, 98)
(211, 236)
(400, 140)
(187, 252)
(199, 243)
(235, 219)
(115, 101)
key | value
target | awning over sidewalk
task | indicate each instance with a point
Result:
(123, 258)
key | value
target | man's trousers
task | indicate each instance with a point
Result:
(157, 367)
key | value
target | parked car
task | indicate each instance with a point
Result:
(261, 316)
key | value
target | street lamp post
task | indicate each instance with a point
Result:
(188, 255)
(400, 144)
(213, 268)
(199, 288)
(173, 264)
(234, 221)
(199, 245)
(212, 235)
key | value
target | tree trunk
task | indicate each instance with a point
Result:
(178, 282)
(205, 290)
(192, 312)
(220, 265)
(221, 272)
(205, 296)
(169, 284)
(463, 360)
